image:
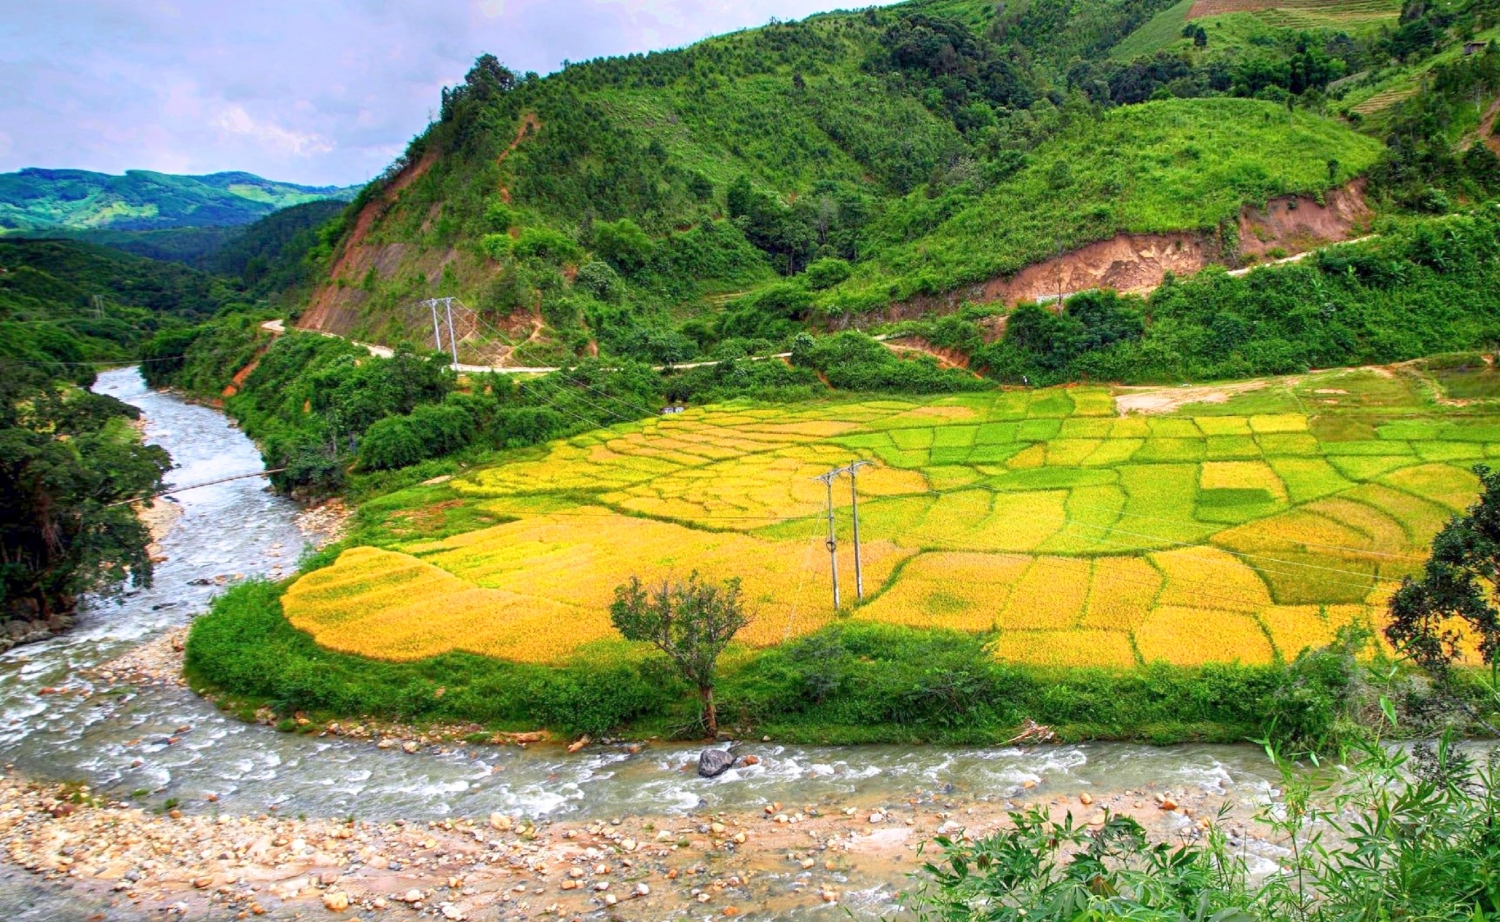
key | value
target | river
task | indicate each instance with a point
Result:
(118, 742)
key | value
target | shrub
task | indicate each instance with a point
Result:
(623, 243)
(429, 431)
(498, 216)
(1422, 844)
(496, 246)
(545, 243)
(826, 273)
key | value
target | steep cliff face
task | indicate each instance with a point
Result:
(335, 304)
(1295, 224)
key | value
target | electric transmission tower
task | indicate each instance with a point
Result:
(439, 322)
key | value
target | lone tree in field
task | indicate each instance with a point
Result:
(1459, 586)
(691, 622)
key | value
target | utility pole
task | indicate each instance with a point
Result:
(833, 545)
(853, 471)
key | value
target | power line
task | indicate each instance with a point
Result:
(194, 486)
(103, 363)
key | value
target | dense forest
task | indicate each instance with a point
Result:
(69, 463)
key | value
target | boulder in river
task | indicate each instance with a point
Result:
(714, 762)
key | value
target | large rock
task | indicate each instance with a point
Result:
(714, 762)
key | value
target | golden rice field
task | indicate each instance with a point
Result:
(1238, 530)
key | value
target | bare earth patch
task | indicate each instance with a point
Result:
(324, 523)
(1166, 399)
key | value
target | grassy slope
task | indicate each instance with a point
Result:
(1160, 33)
(1161, 166)
(1238, 32)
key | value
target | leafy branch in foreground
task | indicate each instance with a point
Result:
(1457, 593)
(690, 621)
(1390, 836)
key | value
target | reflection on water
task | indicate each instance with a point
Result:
(238, 529)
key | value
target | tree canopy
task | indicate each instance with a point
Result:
(691, 621)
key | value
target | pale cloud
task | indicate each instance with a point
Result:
(322, 92)
(235, 120)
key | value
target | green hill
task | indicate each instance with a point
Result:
(719, 197)
(140, 200)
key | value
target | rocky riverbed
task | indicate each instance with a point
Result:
(193, 858)
(196, 861)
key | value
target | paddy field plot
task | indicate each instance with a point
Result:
(1238, 530)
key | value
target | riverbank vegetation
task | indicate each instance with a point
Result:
(70, 462)
(851, 682)
(1389, 833)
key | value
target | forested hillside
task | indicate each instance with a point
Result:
(68, 302)
(718, 199)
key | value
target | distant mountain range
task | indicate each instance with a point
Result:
(35, 200)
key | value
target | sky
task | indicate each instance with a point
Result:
(320, 92)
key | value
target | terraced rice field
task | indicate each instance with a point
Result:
(1384, 100)
(1239, 530)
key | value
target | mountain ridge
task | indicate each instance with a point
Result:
(43, 199)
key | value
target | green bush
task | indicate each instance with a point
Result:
(497, 246)
(855, 362)
(1415, 840)
(827, 272)
(545, 243)
(623, 243)
(428, 431)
